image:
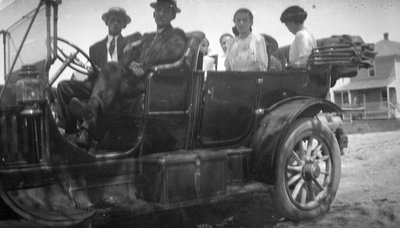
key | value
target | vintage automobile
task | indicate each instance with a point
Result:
(201, 136)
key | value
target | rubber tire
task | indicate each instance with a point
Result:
(301, 128)
(6, 212)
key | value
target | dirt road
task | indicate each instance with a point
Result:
(368, 196)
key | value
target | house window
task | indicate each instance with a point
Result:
(338, 98)
(345, 96)
(384, 94)
(371, 70)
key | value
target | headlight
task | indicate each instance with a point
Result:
(30, 91)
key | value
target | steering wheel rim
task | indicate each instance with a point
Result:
(76, 64)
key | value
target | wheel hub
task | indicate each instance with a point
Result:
(311, 171)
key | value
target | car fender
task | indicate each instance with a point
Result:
(271, 130)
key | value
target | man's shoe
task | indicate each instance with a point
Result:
(80, 138)
(83, 110)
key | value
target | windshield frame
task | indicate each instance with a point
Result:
(51, 53)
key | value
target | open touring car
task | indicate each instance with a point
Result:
(200, 137)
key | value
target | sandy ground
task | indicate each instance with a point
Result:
(368, 196)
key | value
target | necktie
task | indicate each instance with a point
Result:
(112, 47)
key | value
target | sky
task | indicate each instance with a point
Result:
(80, 20)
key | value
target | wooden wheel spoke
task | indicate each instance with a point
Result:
(309, 147)
(294, 179)
(317, 151)
(326, 172)
(323, 158)
(303, 196)
(295, 168)
(297, 158)
(297, 189)
(302, 150)
(320, 187)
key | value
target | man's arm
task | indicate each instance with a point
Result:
(132, 47)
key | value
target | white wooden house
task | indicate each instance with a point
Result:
(375, 92)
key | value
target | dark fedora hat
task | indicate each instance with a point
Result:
(171, 3)
(116, 11)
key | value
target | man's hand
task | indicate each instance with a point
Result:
(136, 68)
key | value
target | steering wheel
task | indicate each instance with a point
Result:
(81, 61)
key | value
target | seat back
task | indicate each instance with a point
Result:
(282, 54)
(193, 47)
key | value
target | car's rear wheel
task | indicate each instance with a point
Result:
(307, 170)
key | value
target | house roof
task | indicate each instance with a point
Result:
(387, 47)
(366, 84)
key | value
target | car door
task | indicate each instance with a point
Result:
(167, 110)
(229, 101)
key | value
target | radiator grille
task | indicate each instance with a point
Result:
(21, 138)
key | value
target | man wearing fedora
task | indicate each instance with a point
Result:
(166, 45)
(107, 50)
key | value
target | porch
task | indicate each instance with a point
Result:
(374, 103)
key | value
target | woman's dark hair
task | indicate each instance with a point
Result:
(223, 35)
(235, 31)
(242, 10)
(294, 14)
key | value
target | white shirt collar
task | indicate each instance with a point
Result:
(114, 56)
(110, 37)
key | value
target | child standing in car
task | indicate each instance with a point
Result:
(247, 51)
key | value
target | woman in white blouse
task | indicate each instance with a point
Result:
(293, 17)
(247, 51)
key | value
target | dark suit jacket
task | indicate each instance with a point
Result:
(98, 54)
(167, 47)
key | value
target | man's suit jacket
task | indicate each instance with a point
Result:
(98, 53)
(167, 47)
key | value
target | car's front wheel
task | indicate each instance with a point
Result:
(307, 170)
